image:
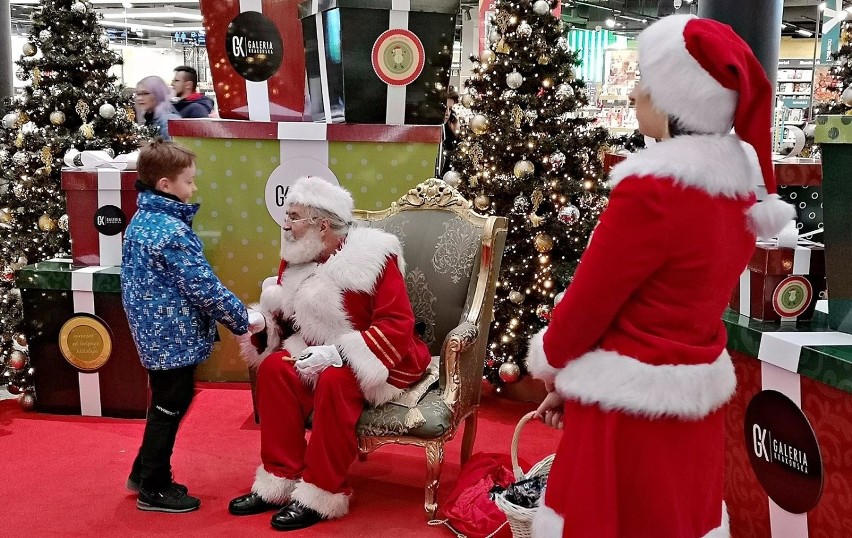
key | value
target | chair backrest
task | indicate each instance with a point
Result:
(444, 242)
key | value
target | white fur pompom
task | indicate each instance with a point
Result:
(768, 217)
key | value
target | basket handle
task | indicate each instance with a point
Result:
(516, 467)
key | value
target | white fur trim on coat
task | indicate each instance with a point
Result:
(547, 523)
(329, 505)
(768, 217)
(723, 530)
(249, 352)
(321, 194)
(372, 374)
(619, 383)
(536, 359)
(720, 165)
(272, 489)
(677, 83)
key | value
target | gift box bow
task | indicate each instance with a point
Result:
(101, 159)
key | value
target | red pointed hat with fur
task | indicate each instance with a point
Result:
(700, 72)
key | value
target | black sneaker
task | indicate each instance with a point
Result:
(171, 499)
(133, 485)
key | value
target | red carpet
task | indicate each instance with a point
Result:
(64, 476)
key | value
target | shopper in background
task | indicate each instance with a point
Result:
(172, 300)
(449, 134)
(634, 356)
(190, 103)
(153, 106)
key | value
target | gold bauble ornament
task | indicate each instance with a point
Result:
(479, 124)
(509, 372)
(87, 130)
(467, 100)
(20, 339)
(516, 297)
(523, 168)
(482, 202)
(543, 242)
(5, 216)
(486, 57)
(544, 59)
(46, 224)
(29, 49)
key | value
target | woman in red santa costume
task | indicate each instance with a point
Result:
(635, 353)
(339, 333)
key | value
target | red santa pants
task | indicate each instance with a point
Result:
(284, 403)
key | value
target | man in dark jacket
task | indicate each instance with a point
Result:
(190, 104)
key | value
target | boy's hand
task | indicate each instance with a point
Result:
(256, 321)
(551, 409)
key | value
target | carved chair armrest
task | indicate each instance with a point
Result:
(459, 340)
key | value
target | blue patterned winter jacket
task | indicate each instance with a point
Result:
(169, 291)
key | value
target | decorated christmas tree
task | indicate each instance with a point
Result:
(528, 153)
(71, 104)
(840, 86)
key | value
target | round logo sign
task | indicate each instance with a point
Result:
(285, 175)
(783, 451)
(110, 220)
(85, 342)
(792, 296)
(398, 57)
(254, 46)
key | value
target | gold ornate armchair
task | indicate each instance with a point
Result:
(452, 260)
(452, 257)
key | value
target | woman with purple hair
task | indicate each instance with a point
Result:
(153, 105)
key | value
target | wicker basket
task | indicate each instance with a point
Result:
(520, 518)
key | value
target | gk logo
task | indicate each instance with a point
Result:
(238, 44)
(758, 436)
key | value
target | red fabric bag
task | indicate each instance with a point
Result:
(469, 510)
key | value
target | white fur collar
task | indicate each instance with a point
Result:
(360, 262)
(721, 165)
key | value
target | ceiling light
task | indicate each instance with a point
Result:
(610, 22)
(803, 32)
(127, 5)
(153, 13)
(153, 27)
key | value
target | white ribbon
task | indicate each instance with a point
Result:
(84, 302)
(109, 193)
(395, 106)
(326, 96)
(257, 93)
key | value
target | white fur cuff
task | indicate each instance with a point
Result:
(329, 505)
(272, 489)
(619, 383)
(547, 523)
(768, 217)
(536, 359)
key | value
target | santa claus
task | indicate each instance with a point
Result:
(635, 352)
(334, 332)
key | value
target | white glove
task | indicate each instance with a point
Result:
(256, 321)
(315, 359)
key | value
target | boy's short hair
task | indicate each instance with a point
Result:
(160, 159)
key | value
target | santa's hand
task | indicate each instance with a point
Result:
(256, 321)
(315, 359)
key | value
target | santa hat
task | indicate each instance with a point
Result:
(319, 193)
(700, 72)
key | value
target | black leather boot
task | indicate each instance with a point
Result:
(295, 516)
(250, 504)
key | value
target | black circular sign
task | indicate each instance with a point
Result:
(254, 46)
(783, 451)
(110, 220)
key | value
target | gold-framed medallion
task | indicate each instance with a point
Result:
(85, 342)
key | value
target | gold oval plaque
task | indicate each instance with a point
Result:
(85, 343)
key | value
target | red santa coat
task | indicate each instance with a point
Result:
(637, 348)
(356, 300)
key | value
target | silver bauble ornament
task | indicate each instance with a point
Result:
(558, 298)
(531, 116)
(541, 7)
(568, 215)
(809, 130)
(509, 94)
(562, 43)
(486, 57)
(10, 119)
(44, 35)
(29, 49)
(19, 192)
(106, 111)
(521, 204)
(104, 40)
(846, 96)
(63, 223)
(21, 74)
(557, 160)
(479, 124)
(452, 178)
(57, 117)
(516, 297)
(78, 7)
(494, 37)
(564, 91)
(524, 30)
(523, 168)
(509, 372)
(514, 80)
(21, 158)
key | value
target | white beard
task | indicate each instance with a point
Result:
(304, 250)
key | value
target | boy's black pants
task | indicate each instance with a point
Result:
(171, 394)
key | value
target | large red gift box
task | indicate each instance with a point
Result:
(101, 203)
(256, 58)
(781, 284)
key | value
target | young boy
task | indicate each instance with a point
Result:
(172, 300)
